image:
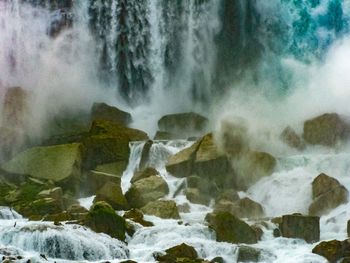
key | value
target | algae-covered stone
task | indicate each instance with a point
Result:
(326, 129)
(102, 111)
(112, 194)
(230, 229)
(146, 190)
(60, 164)
(299, 226)
(162, 208)
(102, 218)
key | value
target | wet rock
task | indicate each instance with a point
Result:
(102, 218)
(145, 173)
(195, 196)
(108, 142)
(162, 135)
(292, 139)
(181, 164)
(44, 206)
(244, 208)
(113, 195)
(217, 260)
(145, 154)
(77, 209)
(60, 164)
(183, 124)
(248, 254)
(136, 215)
(146, 190)
(182, 251)
(94, 181)
(332, 250)
(116, 168)
(102, 111)
(326, 129)
(227, 195)
(299, 226)
(162, 208)
(327, 194)
(230, 229)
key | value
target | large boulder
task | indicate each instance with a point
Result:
(94, 181)
(162, 208)
(243, 208)
(60, 164)
(292, 139)
(136, 215)
(326, 129)
(102, 111)
(102, 218)
(299, 226)
(109, 142)
(327, 194)
(230, 229)
(180, 253)
(332, 250)
(183, 124)
(112, 194)
(146, 190)
(145, 173)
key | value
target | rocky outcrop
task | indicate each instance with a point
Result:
(333, 250)
(292, 139)
(146, 190)
(162, 208)
(326, 129)
(112, 194)
(299, 226)
(102, 219)
(102, 111)
(327, 194)
(60, 164)
(183, 124)
(229, 228)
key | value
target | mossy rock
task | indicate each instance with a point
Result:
(165, 209)
(103, 219)
(112, 194)
(60, 164)
(195, 196)
(332, 250)
(137, 216)
(230, 229)
(42, 207)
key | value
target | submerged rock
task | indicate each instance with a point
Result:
(183, 124)
(165, 209)
(146, 190)
(102, 218)
(102, 111)
(230, 229)
(326, 129)
(332, 250)
(299, 226)
(327, 194)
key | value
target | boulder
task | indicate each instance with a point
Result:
(195, 196)
(164, 136)
(145, 173)
(251, 166)
(102, 111)
(109, 142)
(146, 190)
(299, 226)
(327, 194)
(244, 208)
(44, 206)
(103, 219)
(116, 168)
(55, 193)
(230, 229)
(145, 154)
(326, 129)
(248, 254)
(162, 208)
(60, 164)
(228, 195)
(182, 251)
(183, 124)
(292, 139)
(332, 250)
(137, 216)
(113, 195)
(202, 184)
(181, 163)
(94, 181)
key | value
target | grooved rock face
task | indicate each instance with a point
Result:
(230, 229)
(327, 194)
(326, 129)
